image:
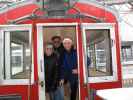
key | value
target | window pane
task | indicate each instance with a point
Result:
(16, 58)
(100, 56)
(126, 53)
(19, 55)
(99, 51)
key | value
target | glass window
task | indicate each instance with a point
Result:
(126, 53)
(16, 58)
(98, 45)
(17, 55)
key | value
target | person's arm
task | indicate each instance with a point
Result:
(88, 61)
(61, 70)
(55, 70)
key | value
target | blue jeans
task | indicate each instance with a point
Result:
(59, 93)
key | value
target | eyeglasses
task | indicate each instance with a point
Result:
(56, 41)
(49, 48)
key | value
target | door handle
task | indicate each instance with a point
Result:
(42, 83)
(41, 62)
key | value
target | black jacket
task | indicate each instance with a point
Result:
(59, 51)
(51, 72)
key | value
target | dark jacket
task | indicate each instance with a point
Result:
(51, 72)
(69, 62)
(59, 52)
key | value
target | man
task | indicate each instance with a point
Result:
(51, 71)
(58, 49)
(69, 71)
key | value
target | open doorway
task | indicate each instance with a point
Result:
(63, 32)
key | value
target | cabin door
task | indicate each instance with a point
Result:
(100, 48)
(100, 53)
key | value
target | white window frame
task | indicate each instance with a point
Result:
(100, 79)
(21, 27)
(40, 49)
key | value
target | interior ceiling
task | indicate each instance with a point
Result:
(63, 32)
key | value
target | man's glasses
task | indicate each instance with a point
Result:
(56, 41)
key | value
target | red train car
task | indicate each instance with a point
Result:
(25, 29)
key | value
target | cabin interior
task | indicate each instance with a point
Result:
(63, 32)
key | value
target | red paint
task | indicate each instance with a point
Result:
(84, 8)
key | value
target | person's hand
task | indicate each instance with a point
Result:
(61, 82)
(75, 71)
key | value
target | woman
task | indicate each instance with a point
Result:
(51, 71)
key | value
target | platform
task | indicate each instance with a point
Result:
(116, 94)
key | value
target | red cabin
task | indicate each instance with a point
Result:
(25, 29)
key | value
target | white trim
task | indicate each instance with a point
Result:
(40, 59)
(9, 28)
(57, 24)
(98, 25)
(16, 82)
(84, 63)
(1, 53)
(7, 57)
(124, 63)
(18, 27)
(110, 26)
(40, 30)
